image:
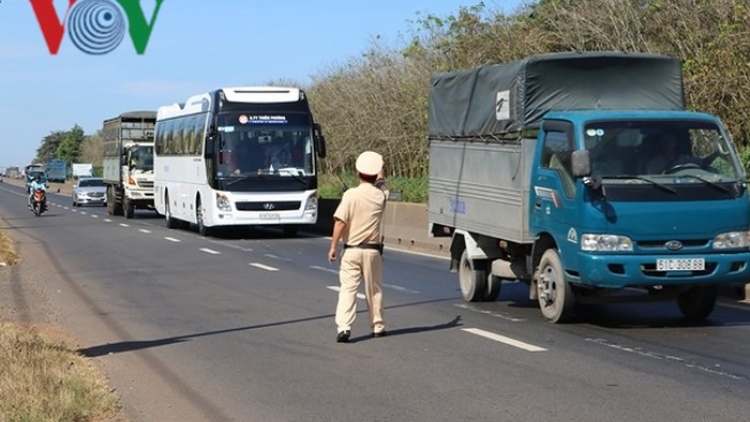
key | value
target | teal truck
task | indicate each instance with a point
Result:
(57, 170)
(583, 176)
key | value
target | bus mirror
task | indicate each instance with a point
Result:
(320, 145)
(211, 141)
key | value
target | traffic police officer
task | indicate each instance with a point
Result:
(357, 221)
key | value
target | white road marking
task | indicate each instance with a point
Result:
(328, 270)
(399, 288)
(263, 267)
(144, 231)
(211, 251)
(490, 313)
(74, 210)
(94, 216)
(280, 258)
(107, 220)
(505, 340)
(124, 225)
(65, 208)
(83, 212)
(172, 239)
(338, 289)
(658, 356)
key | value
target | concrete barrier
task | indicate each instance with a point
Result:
(405, 226)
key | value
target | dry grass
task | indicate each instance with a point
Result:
(43, 380)
(7, 251)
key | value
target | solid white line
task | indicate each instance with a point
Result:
(124, 225)
(490, 313)
(338, 289)
(263, 267)
(144, 231)
(505, 340)
(107, 220)
(211, 251)
(172, 239)
(328, 270)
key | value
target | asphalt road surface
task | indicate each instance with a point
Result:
(240, 328)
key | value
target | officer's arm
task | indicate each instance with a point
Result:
(338, 231)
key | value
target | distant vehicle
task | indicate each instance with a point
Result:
(90, 191)
(57, 170)
(128, 162)
(81, 170)
(216, 161)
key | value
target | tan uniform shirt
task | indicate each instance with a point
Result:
(361, 208)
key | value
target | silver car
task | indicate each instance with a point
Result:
(90, 191)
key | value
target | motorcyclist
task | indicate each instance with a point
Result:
(37, 183)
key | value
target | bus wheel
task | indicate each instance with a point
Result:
(556, 297)
(168, 220)
(202, 229)
(698, 302)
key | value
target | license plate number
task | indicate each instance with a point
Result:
(270, 216)
(684, 264)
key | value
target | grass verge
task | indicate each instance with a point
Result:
(7, 251)
(42, 380)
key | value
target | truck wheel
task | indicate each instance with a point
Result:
(494, 284)
(168, 220)
(556, 298)
(698, 302)
(110, 201)
(473, 282)
(129, 208)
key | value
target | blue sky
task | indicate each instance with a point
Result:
(195, 46)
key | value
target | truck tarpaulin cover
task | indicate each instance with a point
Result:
(505, 98)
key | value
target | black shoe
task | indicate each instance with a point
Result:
(343, 337)
(379, 334)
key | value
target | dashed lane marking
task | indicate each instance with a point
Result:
(211, 251)
(172, 239)
(490, 313)
(263, 267)
(338, 289)
(505, 340)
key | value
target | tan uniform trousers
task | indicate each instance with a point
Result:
(357, 265)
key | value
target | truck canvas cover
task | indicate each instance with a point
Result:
(501, 99)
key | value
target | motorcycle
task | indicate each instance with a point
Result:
(39, 202)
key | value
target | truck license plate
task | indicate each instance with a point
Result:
(683, 264)
(270, 216)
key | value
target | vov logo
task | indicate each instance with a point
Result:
(95, 26)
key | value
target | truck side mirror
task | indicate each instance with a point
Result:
(581, 162)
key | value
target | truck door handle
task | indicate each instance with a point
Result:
(538, 203)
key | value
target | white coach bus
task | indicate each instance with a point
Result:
(241, 156)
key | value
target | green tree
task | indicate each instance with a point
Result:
(48, 148)
(70, 146)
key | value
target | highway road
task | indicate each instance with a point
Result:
(240, 328)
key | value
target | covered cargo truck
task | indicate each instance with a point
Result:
(128, 162)
(541, 171)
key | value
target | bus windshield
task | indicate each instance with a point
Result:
(250, 144)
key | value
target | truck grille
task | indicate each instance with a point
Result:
(145, 183)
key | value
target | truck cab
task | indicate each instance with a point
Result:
(582, 175)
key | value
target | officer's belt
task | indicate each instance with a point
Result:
(374, 246)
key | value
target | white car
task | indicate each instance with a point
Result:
(90, 191)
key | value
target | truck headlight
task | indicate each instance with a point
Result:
(732, 240)
(312, 203)
(222, 202)
(606, 243)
